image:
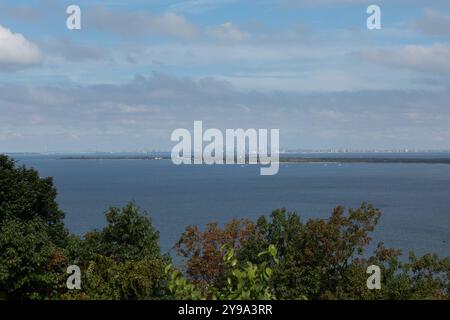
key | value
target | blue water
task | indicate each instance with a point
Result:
(414, 198)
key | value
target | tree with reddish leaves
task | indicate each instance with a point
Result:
(202, 249)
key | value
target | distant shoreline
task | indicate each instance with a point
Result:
(292, 159)
(115, 158)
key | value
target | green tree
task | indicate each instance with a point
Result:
(25, 196)
(314, 256)
(128, 235)
(30, 263)
(328, 259)
(32, 234)
(245, 280)
(121, 261)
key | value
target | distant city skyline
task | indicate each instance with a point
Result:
(137, 70)
(282, 151)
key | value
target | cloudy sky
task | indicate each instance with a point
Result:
(139, 69)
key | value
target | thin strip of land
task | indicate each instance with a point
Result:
(290, 159)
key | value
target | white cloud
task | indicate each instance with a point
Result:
(196, 6)
(316, 3)
(227, 32)
(143, 112)
(435, 58)
(16, 51)
(175, 24)
(141, 23)
(434, 23)
(75, 51)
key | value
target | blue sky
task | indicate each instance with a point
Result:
(137, 70)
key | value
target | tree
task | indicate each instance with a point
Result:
(129, 235)
(327, 258)
(25, 196)
(202, 249)
(121, 261)
(32, 234)
(245, 281)
(29, 261)
(105, 279)
(314, 256)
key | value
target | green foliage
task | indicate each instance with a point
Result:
(32, 234)
(105, 279)
(324, 259)
(250, 281)
(129, 235)
(28, 261)
(25, 196)
(247, 282)
(121, 261)
(315, 255)
(182, 288)
(427, 277)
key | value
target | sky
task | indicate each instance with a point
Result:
(137, 70)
